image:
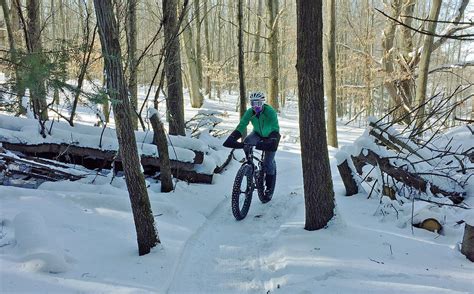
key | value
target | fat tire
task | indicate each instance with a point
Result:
(244, 171)
(260, 182)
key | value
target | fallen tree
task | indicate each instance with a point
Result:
(404, 170)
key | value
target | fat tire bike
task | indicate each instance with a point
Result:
(249, 177)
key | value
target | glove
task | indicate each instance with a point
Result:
(270, 143)
(231, 141)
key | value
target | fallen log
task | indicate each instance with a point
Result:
(93, 158)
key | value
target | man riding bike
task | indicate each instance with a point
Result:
(265, 135)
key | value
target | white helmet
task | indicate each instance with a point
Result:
(257, 96)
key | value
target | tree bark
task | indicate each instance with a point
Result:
(272, 97)
(147, 235)
(37, 60)
(422, 79)
(467, 247)
(394, 6)
(193, 68)
(174, 101)
(132, 58)
(318, 187)
(208, 51)
(159, 139)
(14, 55)
(197, 21)
(243, 94)
(347, 178)
(330, 74)
(256, 56)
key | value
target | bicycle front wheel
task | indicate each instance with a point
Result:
(242, 192)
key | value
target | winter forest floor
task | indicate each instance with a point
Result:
(84, 232)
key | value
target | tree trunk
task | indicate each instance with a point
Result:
(159, 139)
(62, 15)
(347, 178)
(193, 71)
(37, 60)
(394, 7)
(243, 94)
(147, 235)
(422, 79)
(208, 51)
(174, 102)
(318, 187)
(330, 74)
(467, 247)
(14, 56)
(272, 10)
(197, 21)
(256, 56)
(132, 58)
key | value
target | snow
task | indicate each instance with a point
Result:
(71, 237)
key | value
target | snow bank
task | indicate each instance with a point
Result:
(37, 247)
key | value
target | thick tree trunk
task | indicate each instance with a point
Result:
(132, 58)
(159, 139)
(272, 97)
(330, 74)
(37, 85)
(243, 94)
(422, 79)
(174, 102)
(318, 187)
(147, 235)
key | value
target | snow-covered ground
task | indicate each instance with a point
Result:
(79, 237)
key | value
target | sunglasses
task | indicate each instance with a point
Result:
(256, 103)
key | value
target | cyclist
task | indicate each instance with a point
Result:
(265, 135)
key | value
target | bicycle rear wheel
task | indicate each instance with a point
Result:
(242, 192)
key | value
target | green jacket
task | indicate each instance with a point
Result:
(263, 125)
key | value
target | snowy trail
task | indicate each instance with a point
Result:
(225, 255)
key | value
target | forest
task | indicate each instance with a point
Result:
(118, 113)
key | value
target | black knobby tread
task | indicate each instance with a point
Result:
(239, 214)
(261, 187)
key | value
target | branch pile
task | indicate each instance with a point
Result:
(416, 179)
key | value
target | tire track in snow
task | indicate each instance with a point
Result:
(224, 255)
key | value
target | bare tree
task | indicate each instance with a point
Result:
(330, 74)
(174, 102)
(147, 235)
(36, 61)
(242, 92)
(131, 28)
(422, 80)
(272, 12)
(318, 188)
